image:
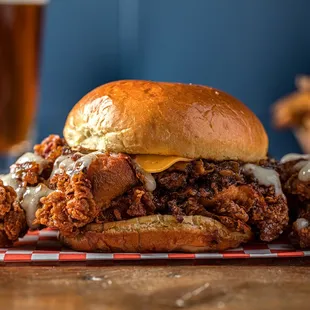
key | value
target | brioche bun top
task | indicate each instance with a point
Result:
(145, 117)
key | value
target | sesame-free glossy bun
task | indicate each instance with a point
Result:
(144, 117)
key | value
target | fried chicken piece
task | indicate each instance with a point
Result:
(28, 173)
(12, 217)
(110, 176)
(269, 214)
(137, 208)
(51, 147)
(136, 202)
(70, 207)
(301, 227)
(300, 210)
(176, 211)
(30, 169)
(290, 181)
(298, 193)
(303, 236)
(193, 207)
(235, 201)
(298, 188)
(53, 213)
(79, 199)
(172, 180)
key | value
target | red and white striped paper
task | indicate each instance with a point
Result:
(43, 246)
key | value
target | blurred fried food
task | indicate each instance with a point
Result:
(293, 111)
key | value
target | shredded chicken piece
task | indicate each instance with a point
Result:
(136, 202)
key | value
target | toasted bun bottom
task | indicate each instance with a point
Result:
(157, 233)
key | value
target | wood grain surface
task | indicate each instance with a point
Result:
(269, 284)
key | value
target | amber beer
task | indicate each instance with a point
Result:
(20, 32)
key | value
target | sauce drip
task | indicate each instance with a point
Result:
(147, 178)
(303, 166)
(149, 181)
(60, 164)
(32, 157)
(264, 176)
(294, 156)
(304, 173)
(17, 186)
(65, 163)
(31, 201)
(301, 223)
(29, 197)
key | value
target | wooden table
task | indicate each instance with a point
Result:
(235, 284)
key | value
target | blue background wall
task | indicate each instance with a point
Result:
(251, 49)
(80, 52)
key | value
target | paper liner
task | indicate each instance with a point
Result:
(43, 246)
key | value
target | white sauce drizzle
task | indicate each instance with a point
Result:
(60, 164)
(148, 180)
(31, 201)
(31, 157)
(65, 164)
(83, 162)
(303, 165)
(29, 197)
(17, 186)
(304, 173)
(301, 223)
(294, 156)
(298, 166)
(265, 176)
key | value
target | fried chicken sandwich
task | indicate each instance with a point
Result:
(149, 167)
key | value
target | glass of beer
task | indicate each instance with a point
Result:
(20, 34)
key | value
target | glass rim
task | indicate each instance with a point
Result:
(32, 2)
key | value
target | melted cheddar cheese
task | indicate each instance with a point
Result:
(157, 163)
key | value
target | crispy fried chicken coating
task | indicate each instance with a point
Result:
(298, 194)
(12, 217)
(110, 176)
(28, 173)
(51, 147)
(71, 206)
(78, 200)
